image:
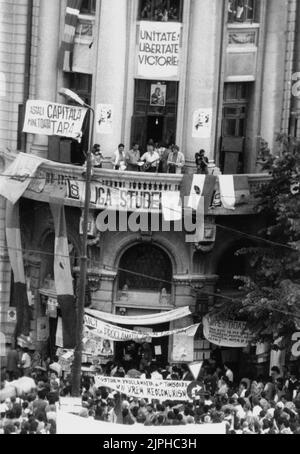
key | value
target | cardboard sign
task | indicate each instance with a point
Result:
(202, 123)
(52, 119)
(226, 333)
(158, 55)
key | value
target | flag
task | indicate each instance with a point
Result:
(234, 190)
(19, 294)
(196, 186)
(67, 46)
(62, 274)
(18, 176)
(171, 206)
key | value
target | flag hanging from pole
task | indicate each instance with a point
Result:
(67, 46)
(19, 293)
(62, 271)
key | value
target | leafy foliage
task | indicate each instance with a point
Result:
(271, 301)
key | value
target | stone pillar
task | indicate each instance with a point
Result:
(110, 73)
(273, 80)
(296, 99)
(46, 73)
(102, 300)
(203, 70)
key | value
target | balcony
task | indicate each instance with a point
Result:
(52, 175)
(132, 299)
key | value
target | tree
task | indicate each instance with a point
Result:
(270, 301)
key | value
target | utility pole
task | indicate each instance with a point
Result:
(77, 364)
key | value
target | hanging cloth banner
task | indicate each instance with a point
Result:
(18, 176)
(115, 333)
(62, 274)
(226, 333)
(19, 293)
(142, 320)
(146, 389)
(234, 190)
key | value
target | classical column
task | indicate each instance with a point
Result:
(274, 68)
(111, 69)
(46, 74)
(203, 69)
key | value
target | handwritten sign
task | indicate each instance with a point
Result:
(158, 50)
(202, 123)
(52, 119)
(226, 333)
(146, 389)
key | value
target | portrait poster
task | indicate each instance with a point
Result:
(202, 123)
(158, 95)
(104, 119)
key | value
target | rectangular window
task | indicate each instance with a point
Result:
(88, 7)
(161, 10)
(241, 11)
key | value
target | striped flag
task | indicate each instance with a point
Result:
(67, 46)
(234, 190)
(197, 186)
(19, 294)
(62, 273)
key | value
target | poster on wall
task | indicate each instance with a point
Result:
(226, 333)
(104, 119)
(158, 55)
(158, 95)
(183, 348)
(202, 123)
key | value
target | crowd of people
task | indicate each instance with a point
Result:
(265, 405)
(157, 159)
(160, 11)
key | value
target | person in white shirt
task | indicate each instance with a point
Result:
(151, 159)
(25, 362)
(228, 373)
(176, 161)
(119, 158)
(156, 375)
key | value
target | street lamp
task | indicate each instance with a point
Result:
(76, 375)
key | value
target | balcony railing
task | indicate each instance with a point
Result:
(53, 174)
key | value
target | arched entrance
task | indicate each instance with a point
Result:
(144, 286)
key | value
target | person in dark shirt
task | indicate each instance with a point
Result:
(201, 163)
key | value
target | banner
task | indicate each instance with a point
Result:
(18, 176)
(98, 328)
(19, 298)
(146, 389)
(107, 198)
(159, 50)
(52, 119)
(226, 333)
(142, 320)
(63, 276)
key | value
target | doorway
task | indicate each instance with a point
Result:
(152, 120)
(155, 129)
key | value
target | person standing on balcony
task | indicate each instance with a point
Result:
(132, 158)
(201, 163)
(176, 161)
(151, 159)
(97, 157)
(119, 158)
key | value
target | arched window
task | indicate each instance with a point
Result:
(145, 267)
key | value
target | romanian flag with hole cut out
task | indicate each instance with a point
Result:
(14, 245)
(234, 190)
(65, 55)
(62, 270)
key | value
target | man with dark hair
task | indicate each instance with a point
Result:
(132, 158)
(201, 163)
